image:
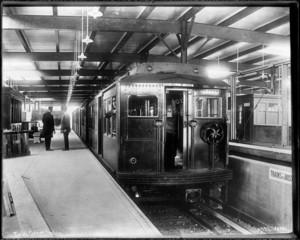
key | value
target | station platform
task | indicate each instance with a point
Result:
(68, 194)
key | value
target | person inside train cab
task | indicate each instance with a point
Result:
(65, 128)
(48, 128)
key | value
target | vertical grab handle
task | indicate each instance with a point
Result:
(160, 164)
(193, 123)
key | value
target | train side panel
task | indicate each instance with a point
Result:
(209, 110)
(110, 133)
(140, 107)
(83, 121)
(75, 121)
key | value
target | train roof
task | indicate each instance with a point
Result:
(173, 73)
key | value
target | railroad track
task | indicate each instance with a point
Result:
(196, 219)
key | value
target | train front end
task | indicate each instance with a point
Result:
(172, 128)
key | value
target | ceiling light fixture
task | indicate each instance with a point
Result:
(95, 13)
(218, 72)
(282, 51)
(87, 39)
(81, 56)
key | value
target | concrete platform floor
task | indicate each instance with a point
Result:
(74, 194)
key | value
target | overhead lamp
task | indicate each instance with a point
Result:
(81, 56)
(95, 13)
(216, 73)
(87, 39)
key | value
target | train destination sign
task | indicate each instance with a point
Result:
(210, 92)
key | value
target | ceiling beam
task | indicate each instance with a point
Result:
(149, 44)
(227, 22)
(56, 94)
(81, 72)
(261, 59)
(142, 26)
(58, 82)
(242, 53)
(112, 57)
(127, 35)
(264, 28)
(98, 88)
(154, 41)
(66, 88)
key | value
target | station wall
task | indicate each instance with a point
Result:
(262, 190)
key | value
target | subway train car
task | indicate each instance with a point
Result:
(163, 124)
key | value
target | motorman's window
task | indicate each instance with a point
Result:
(208, 107)
(142, 106)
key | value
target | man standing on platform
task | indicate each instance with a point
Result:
(65, 128)
(48, 128)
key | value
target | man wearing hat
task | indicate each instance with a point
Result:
(48, 128)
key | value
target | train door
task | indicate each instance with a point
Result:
(175, 152)
(244, 120)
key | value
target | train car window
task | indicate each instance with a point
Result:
(260, 116)
(142, 106)
(113, 125)
(109, 110)
(208, 107)
(273, 114)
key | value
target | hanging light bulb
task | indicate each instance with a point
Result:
(87, 39)
(81, 56)
(95, 13)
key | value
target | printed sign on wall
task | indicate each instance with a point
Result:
(280, 175)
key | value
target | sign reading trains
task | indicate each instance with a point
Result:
(280, 175)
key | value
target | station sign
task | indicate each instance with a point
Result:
(280, 175)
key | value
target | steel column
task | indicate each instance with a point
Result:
(233, 107)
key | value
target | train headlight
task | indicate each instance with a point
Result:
(193, 123)
(133, 160)
(158, 123)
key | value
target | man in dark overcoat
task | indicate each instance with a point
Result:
(66, 128)
(48, 128)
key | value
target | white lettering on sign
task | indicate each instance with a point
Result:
(210, 92)
(280, 175)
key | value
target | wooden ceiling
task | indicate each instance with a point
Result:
(40, 43)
